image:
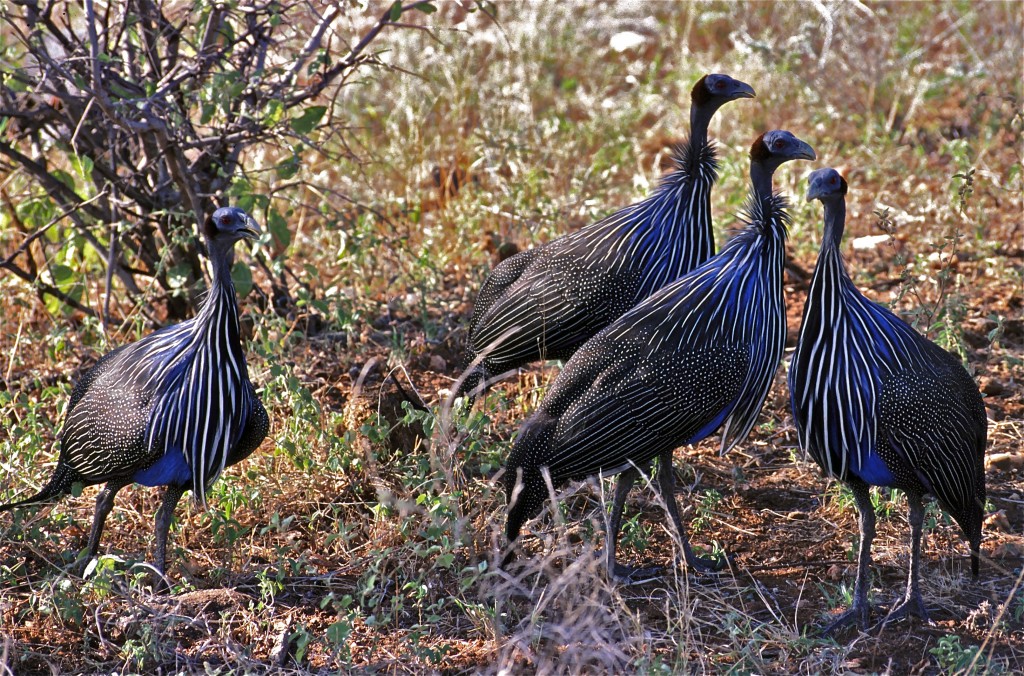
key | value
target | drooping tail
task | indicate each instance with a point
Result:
(472, 383)
(59, 486)
(973, 531)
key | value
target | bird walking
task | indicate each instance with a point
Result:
(698, 355)
(877, 404)
(544, 303)
(173, 409)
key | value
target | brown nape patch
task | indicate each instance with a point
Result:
(699, 94)
(209, 229)
(842, 186)
(758, 150)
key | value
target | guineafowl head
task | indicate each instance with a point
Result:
(772, 148)
(526, 491)
(714, 90)
(825, 183)
(228, 225)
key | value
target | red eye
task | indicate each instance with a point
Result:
(778, 144)
(719, 84)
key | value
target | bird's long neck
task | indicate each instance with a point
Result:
(767, 210)
(671, 231)
(761, 174)
(220, 308)
(826, 293)
(830, 277)
(835, 223)
(700, 118)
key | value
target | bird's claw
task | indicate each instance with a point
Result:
(912, 605)
(857, 615)
(708, 564)
(629, 575)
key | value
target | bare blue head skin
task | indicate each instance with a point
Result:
(709, 94)
(222, 230)
(230, 224)
(825, 183)
(768, 152)
(828, 186)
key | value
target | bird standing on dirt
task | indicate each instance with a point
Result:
(173, 409)
(876, 404)
(697, 355)
(545, 302)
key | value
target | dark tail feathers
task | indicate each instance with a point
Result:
(474, 383)
(59, 486)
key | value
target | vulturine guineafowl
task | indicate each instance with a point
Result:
(544, 303)
(173, 409)
(877, 404)
(698, 355)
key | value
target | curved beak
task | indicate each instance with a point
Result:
(803, 151)
(743, 91)
(815, 191)
(250, 229)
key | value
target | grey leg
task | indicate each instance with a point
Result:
(164, 515)
(667, 486)
(913, 603)
(861, 608)
(104, 503)
(622, 487)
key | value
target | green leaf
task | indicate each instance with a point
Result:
(122, 92)
(287, 167)
(241, 275)
(425, 7)
(396, 11)
(64, 177)
(83, 164)
(62, 275)
(278, 227)
(339, 632)
(303, 124)
(275, 111)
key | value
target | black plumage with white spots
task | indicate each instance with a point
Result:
(697, 356)
(173, 409)
(545, 302)
(875, 403)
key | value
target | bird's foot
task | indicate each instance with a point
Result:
(911, 605)
(707, 564)
(629, 575)
(857, 615)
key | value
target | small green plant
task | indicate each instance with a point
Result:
(302, 637)
(941, 316)
(141, 651)
(338, 632)
(952, 657)
(705, 509)
(1017, 607)
(270, 583)
(886, 501)
(636, 533)
(934, 516)
(839, 596)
